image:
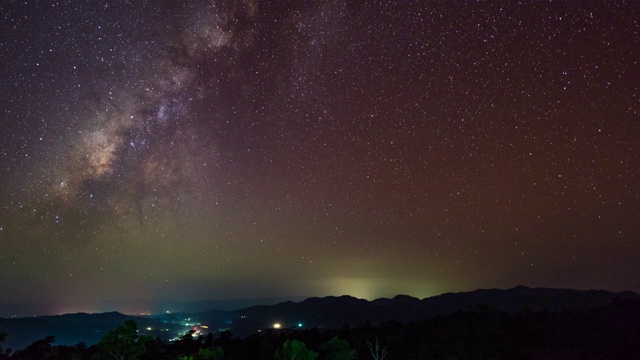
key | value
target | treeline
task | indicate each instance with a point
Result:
(480, 332)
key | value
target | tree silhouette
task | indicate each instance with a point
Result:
(39, 349)
(3, 354)
(123, 343)
(295, 350)
(338, 349)
(377, 351)
(214, 353)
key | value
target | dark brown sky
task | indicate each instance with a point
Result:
(252, 149)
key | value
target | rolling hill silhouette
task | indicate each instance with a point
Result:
(320, 312)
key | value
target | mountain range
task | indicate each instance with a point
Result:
(319, 312)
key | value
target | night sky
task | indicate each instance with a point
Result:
(248, 149)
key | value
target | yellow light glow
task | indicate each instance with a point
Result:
(277, 326)
(371, 288)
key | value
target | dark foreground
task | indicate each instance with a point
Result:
(481, 332)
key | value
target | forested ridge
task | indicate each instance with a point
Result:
(479, 332)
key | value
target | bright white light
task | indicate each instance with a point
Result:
(277, 326)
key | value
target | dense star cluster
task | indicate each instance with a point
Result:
(223, 149)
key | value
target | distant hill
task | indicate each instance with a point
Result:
(137, 306)
(67, 329)
(325, 312)
(333, 312)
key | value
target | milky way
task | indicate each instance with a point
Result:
(221, 149)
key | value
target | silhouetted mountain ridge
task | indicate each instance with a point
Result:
(320, 312)
(334, 311)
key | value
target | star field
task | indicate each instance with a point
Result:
(226, 149)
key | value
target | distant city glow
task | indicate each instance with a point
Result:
(371, 288)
